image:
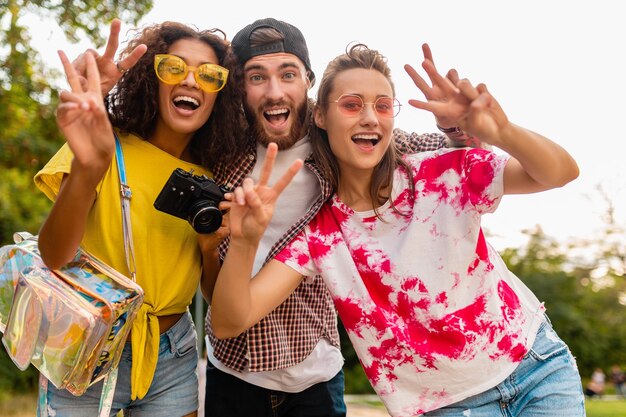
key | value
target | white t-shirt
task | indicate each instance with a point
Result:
(431, 309)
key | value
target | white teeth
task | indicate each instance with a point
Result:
(276, 112)
(365, 137)
(186, 98)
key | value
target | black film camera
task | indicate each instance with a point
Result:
(193, 198)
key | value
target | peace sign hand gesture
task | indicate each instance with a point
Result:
(84, 121)
(440, 90)
(252, 205)
(455, 102)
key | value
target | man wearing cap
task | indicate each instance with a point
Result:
(289, 364)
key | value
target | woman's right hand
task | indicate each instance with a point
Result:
(83, 119)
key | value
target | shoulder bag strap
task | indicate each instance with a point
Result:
(110, 380)
(126, 194)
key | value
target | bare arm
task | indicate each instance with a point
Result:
(239, 302)
(82, 118)
(537, 163)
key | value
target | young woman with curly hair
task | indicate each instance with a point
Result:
(172, 109)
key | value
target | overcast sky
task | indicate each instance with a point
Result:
(556, 67)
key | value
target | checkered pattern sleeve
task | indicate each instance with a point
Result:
(418, 142)
(232, 176)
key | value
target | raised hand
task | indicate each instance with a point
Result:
(441, 89)
(253, 204)
(456, 102)
(83, 119)
(484, 117)
(110, 70)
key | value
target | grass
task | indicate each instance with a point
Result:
(594, 407)
(602, 408)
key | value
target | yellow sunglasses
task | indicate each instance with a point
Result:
(172, 70)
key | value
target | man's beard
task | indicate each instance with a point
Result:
(296, 132)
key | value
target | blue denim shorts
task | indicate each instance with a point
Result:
(174, 389)
(546, 383)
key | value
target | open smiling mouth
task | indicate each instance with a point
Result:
(186, 103)
(366, 140)
(276, 116)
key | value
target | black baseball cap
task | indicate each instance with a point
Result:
(293, 43)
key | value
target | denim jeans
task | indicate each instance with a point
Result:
(174, 389)
(229, 396)
(546, 383)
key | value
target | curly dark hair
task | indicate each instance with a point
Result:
(133, 104)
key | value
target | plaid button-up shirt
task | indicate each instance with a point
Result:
(287, 335)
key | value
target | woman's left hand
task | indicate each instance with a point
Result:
(456, 102)
(253, 204)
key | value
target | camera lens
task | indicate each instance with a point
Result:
(204, 217)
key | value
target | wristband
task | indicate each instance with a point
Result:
(450, 130)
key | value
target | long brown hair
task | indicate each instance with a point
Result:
(134, 107)
(357, 56)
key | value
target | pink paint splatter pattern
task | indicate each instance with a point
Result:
(420, 295)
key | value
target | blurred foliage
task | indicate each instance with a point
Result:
(78, 18)
(586, 316)
(14, 380)
(29, 135)
(21, 209)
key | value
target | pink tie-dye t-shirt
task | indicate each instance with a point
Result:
(430, 307)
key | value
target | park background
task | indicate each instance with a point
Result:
(556, 67)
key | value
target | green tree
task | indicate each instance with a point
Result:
(584, 301)
(28, 97)
(610, 246)
(605, 277)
